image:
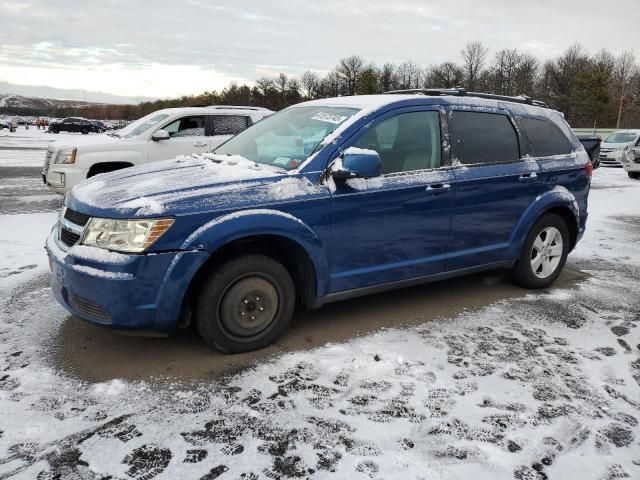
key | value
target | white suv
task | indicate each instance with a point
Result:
(160, 135)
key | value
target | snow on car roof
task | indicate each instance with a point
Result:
(218, 110)
(369, 103)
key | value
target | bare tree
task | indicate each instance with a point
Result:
(282, 81)
(349, 70)
(310, 82)
(445, 75)
(474, 57)
(624, 73)
(409, 75)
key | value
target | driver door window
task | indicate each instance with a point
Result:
(186, 127)
(406, 142)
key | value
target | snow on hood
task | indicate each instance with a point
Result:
(84, 140)
(188, 182)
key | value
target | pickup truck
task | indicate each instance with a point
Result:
(158, 136)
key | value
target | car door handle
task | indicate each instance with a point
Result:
(200, 144)
(527, 177)
(438, 188)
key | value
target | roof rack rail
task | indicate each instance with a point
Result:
(235, 107)
(461, 92)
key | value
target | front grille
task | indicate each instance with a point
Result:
(68, 237)
(89, 309)
(76, 217)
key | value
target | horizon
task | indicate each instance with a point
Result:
(115, 57)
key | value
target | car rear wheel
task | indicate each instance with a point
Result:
(634, 175)
(245, 304)
(544, 253)
(84, 130)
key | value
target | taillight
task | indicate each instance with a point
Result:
(588, 169)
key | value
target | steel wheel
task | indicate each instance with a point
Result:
(546, 252)
(248, 306)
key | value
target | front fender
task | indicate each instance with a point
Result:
(557, 197)
(253, 222)
(90, 158)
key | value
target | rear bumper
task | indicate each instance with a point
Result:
(143, 293)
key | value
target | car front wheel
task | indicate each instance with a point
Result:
(245, 304)
(544, 253)
(634, 175)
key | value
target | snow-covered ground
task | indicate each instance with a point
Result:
(542, 387)
(26, 148)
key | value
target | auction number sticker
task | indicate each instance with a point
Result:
(329, 117)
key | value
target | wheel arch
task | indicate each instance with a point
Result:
(104, 167)
(559, 201)
(272, 233)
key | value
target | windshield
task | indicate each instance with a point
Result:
(621, 137)
(287, 138)
(141, 125)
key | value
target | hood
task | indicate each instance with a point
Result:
(185, 185)
(82, 140)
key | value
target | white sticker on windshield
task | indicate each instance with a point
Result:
(329, 117)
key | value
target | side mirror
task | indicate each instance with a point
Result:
(160, 135)
(356, 163)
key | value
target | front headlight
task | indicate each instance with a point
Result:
(66, 155)
(124, 235)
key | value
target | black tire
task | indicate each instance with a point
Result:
(84, 130)
(222, 304)
(634, 175)
(55, 130)
(523, 272)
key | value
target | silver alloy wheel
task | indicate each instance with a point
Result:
(546, 252)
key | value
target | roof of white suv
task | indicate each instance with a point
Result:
(219, 110)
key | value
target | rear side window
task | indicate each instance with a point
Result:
(546, 139)
(478, 137)
(229, 124)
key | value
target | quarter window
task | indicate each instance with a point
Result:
(479, 137)
(406, 142)
(229, 124)
(546, 139)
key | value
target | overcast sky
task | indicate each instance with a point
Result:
(167, 48)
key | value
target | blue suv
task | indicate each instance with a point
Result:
(323, 201)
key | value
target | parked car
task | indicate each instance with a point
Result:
(591, 144)
(158, 136)
(72, 124)
(5, 124)
(631, 162)
(616, 145)
(99, 126)
(324, 201)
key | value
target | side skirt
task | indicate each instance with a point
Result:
(358, 292)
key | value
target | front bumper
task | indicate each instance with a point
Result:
(143, 293)
(61, 177)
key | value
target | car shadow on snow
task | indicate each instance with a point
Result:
(98, 354)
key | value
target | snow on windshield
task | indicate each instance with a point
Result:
(141, 125)
(621, 137)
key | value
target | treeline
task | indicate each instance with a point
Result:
(599, 89)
